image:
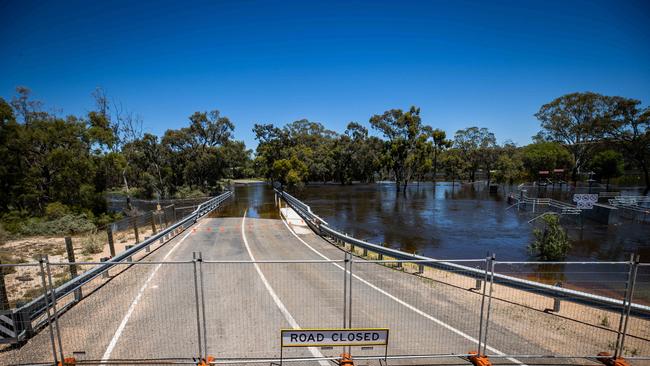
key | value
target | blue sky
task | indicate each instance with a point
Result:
(465, 63)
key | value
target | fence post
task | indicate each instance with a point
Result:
(73, 267)
(4, 298)
(628, 283)
(196, 302)
(166, 218)
(174, 213)
(134, 223)
(111, 244)
(635, 267)
(56, 314)
(47, 308)
(153, 222)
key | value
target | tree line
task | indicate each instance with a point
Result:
(70, 163)
(74, 161)
(580, 132)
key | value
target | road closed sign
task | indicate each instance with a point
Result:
(334, 337)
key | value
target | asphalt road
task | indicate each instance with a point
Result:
(149, 310)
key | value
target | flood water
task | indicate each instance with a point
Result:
(443, 221)
(448, 221)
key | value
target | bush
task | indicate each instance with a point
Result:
(65, 225)
(187, 192)
(56, 210)
(551, 243)
(93, 244)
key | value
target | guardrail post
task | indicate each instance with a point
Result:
(134, 223)
(147, 249)
(365, 252)
(556, 300)
(4, 298)
(127, 247)
(420, 269)
(73, 267)
(105, 274)
(111, 244)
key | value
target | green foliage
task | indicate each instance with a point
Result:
(68, 224)
(4, 236)
(93, 244)
(56, 210)
(552, 242)
(607, 164)
(545, 156)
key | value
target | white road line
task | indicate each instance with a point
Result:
(120, 329)
(402, 302)
(283, 309)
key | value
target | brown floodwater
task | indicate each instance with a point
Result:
(448, 221)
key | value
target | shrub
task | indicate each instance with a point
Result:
(551, 243)
(67, 224)
(4, 236)
(93, 244)
(56, 210)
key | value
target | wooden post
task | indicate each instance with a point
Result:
(174, 212)
(111, 244)
(153, 223)
(134, 222)
(4, 298)
(73, 267)
(166, 218)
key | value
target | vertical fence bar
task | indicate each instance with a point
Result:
(205, 332)
(635, 269)
(623, 310)
(345, 290)
(480, 322)
(196, 302)
(56, 314)
(489, 304)
(47, 309)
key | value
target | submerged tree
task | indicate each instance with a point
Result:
(552, 242)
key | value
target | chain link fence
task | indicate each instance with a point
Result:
(181, 311)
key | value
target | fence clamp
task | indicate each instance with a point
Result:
(479, 360)
(68, 361)
(346, 360)
(206, 361)
(607, 359)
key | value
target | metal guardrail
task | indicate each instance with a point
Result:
(38, 306)
(579, 297)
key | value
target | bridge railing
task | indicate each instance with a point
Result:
(552, 291)
(31, 316)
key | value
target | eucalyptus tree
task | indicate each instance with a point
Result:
(476, 146)
(402, 131)
(572, 120)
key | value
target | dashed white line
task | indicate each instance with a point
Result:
(402, 302)
(283, 309)
(120, 328)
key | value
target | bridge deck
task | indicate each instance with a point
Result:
(149, 310)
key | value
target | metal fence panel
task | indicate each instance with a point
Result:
(247, 304)
(428, 311)
(550, 326)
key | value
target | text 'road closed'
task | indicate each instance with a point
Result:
(334, 337)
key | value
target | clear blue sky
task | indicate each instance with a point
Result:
(484, 63)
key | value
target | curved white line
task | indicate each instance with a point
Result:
(283, 309)
(402, 302)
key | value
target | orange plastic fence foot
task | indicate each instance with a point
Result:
(206, 361)
(479, 360)
(68, 361)
(346, 360)
(607, 359)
